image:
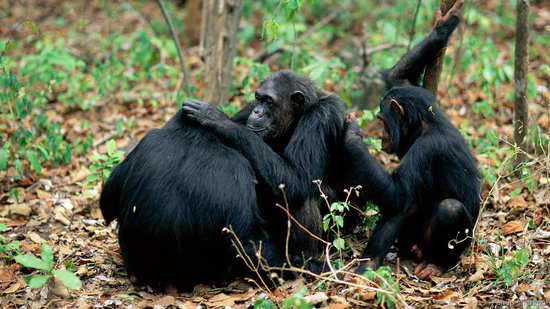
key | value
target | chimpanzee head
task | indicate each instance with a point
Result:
(280, 101)
(406, 113)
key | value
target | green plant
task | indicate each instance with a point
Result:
(101, 167)
(513, 266)
(289, 9)
(296, 301)
(45, 263)
(334, 221)
(389, 289)
(7, 248)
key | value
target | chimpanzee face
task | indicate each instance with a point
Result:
(387, 142)
(392, 126)
(275, 111)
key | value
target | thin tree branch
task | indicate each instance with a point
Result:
(178, 47)
(413, 28)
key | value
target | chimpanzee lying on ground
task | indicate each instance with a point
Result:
(432, 197)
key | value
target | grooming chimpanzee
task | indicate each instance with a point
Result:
(432, 197)
(182, 184)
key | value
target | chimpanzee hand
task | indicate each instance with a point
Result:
(352, 130)
(446, 25)
(203, 113)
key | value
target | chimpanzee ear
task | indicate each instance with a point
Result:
(297, 97)
(397, 109)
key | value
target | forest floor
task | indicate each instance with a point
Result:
(514, 223)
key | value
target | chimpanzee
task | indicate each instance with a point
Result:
(429, 203)
(182, 184)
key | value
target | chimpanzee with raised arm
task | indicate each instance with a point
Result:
(430, 202)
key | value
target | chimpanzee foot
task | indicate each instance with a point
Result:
(426, 270)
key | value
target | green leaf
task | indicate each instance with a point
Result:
(36, 281)
(46, 254)
(19, 167)
(326, 224)
(68, 278)
(99, 157)
(346, 98)
(33, 26)
(15, 194)
(95, 167)
(339, 221)
(111, 145)
(271, 30)
(3, 159)
(263, 304)
(9, 46)
(43, 152)
(93, 177)
(515, 192)
(339, 243)
(33, 160)
(32, 262)
(118, 127)
(106, 173)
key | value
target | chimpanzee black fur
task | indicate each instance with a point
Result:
(431, 200)
(184, 183)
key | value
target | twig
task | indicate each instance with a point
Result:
(414, 24)
(178, 47)
(11, 36)
(301, 226)
(103, 139)
(384, 47)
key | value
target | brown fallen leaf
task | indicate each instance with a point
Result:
(446, 295)
(512, 227)
(36, 238)
(523, 287)
(164, 302)
(12, 288)
(317, 298)
(517, 201)
(43, 195)
(5, 275)
(220, 300)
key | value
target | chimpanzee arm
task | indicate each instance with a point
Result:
(408, 70)
(307, 157)
(378, 186)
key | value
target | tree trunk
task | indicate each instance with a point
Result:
(220, 21)
(193, 22)
(433, 68)
(520, 75)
